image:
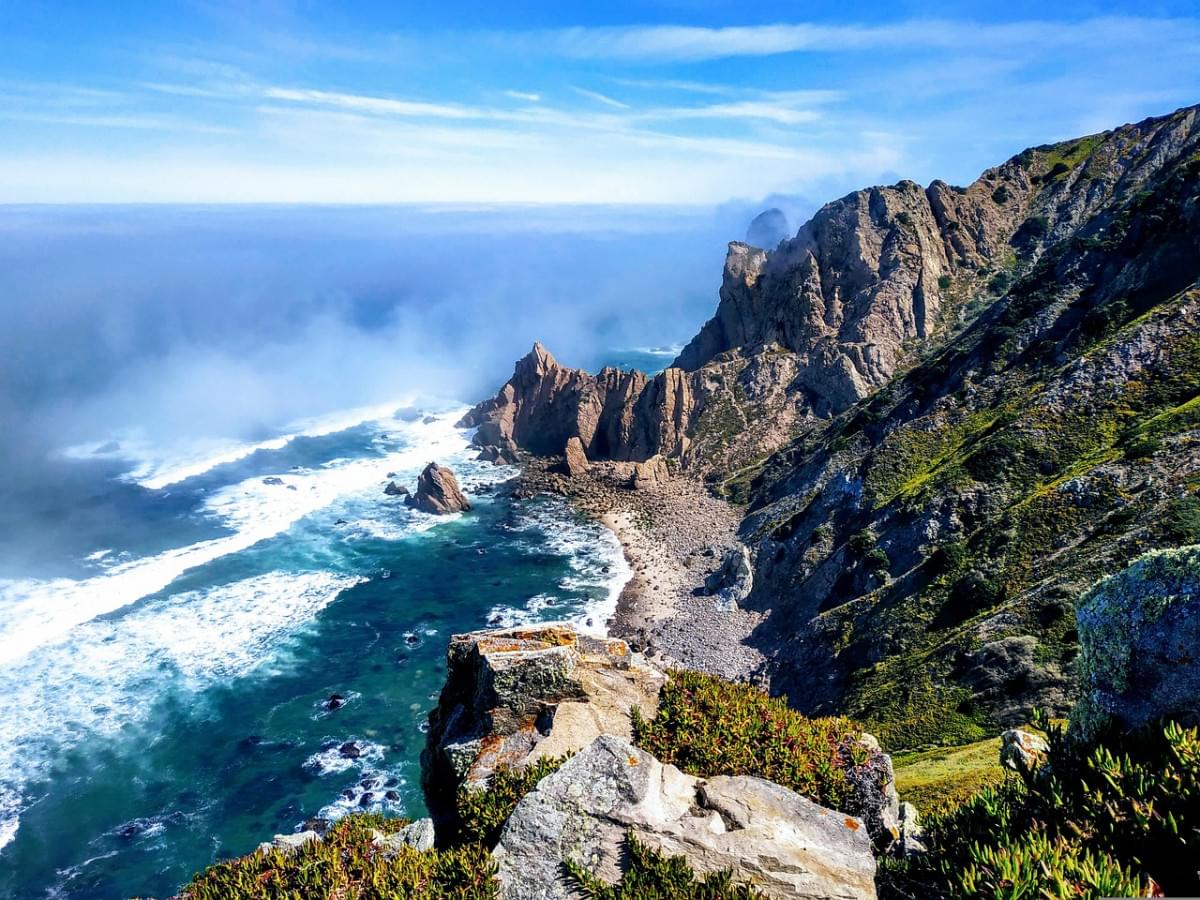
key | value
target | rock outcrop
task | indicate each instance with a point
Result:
(575, 461)
(438, 492)
(515, 695)
(734, 580)
(769, 836)
(1139, 636)
(947, 409)
(1022, 751)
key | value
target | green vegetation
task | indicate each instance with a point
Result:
(1000, 194)
(707, 726)
(944, 282)
(482, 812)
(904, 218)
(1096, 822)
(939, 779)
(653, 876)
(347, 865)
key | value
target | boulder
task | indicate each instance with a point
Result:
(519, 694)
(438, 492)
(1138, 634)
(395, 490)
(575, 461)
(770, 837)
(1022, 751)
(912, 836)
(733, 581)
(502, 453)
(288, 843)
(652, 472)
(418, 835)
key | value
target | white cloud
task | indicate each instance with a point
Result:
(683, 43)
(373, 104)
(600, 98)
(523, 95)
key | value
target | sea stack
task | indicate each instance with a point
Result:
(438, 492)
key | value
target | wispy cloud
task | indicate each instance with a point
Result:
(523, 95)
(681, 43)
(374, 104)
(600, 98)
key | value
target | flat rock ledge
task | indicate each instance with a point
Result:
(770, 837)
(516, 695)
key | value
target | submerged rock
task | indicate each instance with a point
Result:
(1138, 634)
(768, 836)
(395, 490)
(438, 492)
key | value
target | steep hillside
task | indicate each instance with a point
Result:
(949, 409)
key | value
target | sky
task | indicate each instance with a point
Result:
(684, 102)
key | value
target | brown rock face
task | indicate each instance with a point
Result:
(438, 492)
(516, 695)
(575, 460)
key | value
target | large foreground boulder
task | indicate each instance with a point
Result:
(733, 581)
(519, 694)
(438, 492)
(575, 461)
(770, 837)
(1139, 636)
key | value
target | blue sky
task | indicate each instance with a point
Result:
(682, 102)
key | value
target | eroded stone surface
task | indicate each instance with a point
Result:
(772, 838)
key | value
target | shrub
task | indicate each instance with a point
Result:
(707, 726)
(944, 282)
(905, 219)
(862, 542)
(652, 876)
(1181, 523)
(1000, 194)
(1059, 168)
(346, 865)
(1116, 815)
(482, 812)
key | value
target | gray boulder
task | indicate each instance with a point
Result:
(732, 583)
(419, 835)
(1022, 751)
(769, 836)
(1138, 634)
(288, 843)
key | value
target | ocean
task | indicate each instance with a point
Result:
(169, 707)
(177, 606)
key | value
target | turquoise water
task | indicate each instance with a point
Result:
(165, 677)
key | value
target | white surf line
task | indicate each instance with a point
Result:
(33, 613)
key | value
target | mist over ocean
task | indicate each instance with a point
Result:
(201, 408)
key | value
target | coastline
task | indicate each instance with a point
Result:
(673, 535)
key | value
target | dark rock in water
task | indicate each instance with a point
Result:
(392, 796)
(604, 569)
(366, 799)
(340, 522)
(391, 475)
(412, 639)
(351, 750)
(395, 490)
(348, 794)
(320, 826)
(292, 487)
(272, 479)
(767, 229)
(429, 420)
(335, 701)
(438, 492)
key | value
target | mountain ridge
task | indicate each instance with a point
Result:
(918, 396)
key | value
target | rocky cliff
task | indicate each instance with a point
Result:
(948, 409)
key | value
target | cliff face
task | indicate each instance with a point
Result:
(949, 409)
